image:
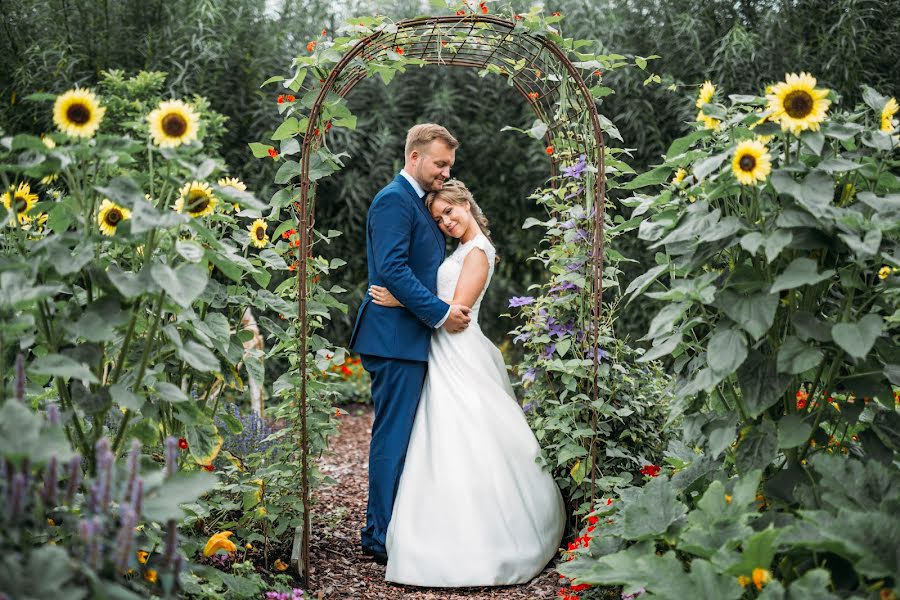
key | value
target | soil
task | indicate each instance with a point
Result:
(337, 567)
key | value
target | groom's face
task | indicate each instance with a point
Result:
(432, 165)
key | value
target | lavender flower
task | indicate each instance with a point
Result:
(171, 456)
(576, 170)
(529, 375)
(252, 438)
(74, 479)
(20, 378)
(53, 414)
(517, 301)
(563, 287)
(574, 266)
(105, 460)
(16, 497)
(526, 408)
(570, 224)
(581, 234)
(600, 354)
(171, 543)
(125, 537)
(51, 479)
(137, 496)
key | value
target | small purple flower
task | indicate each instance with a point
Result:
(558, 329)
(549, 349)
(574, 266)
(522, 337)
(577, 169)
(575, 193)
(564, 286)
(517, 301)
(577, 212)
(529, 375)
(600, 354)
(526, 408)
(581, 234)
(570, 224)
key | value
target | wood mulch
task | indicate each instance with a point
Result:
(337, 567)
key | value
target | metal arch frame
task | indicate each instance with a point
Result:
(424, 38)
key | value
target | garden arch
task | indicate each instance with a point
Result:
(533, 62)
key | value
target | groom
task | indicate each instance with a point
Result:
(404, 249)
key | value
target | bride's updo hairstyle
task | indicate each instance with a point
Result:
(455, 192)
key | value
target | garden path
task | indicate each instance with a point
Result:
(338, 569)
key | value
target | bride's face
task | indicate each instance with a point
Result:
(453, 219)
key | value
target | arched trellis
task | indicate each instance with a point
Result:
(545, 77)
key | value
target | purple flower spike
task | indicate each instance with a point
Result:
(20, 378)
(16, 497)
(74, 479)
(526, 408)
(134, 460)
(51, 479)
(53, 414)
(517, 301)
(171, 456)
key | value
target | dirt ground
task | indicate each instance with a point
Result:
(338, 569)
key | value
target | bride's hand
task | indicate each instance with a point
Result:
(382, 297)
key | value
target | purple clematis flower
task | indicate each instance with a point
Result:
(574, 266)
(522, 337)
(565, 285)
(527, 407)
(577, 169)
(548, 351)
(600, 354)
(516, 301)
(570, 224)
(529, 375)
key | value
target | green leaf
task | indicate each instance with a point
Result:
(170, 392)
(793, 431)
(655, 176)
(652, 512)
(289, 128)
(863, 248)
(815, 193)
(761, 384)
(260, 150)
(287, 171)
(814, 140)
(757, 552)
(838, 165)
(125, 398)
(319, 168)
(204, 441)
(163, 503)
(641, 283)
(801, 271)
(59, 365)
(727, 351)
(758, 448)
(184, 284)
(681, 145)
(144, 217)
(795, 357)
(858, 338)
(708, 165)
(754, 313)
(189, 250)
(122, 190)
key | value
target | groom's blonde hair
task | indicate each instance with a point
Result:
(421, 135)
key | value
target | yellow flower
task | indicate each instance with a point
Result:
(248, 546)
(888, 122)
(196, 198)
(280, 565)
(78, 113)
(219, 541)
(233, 182)
(708, 121)
(884, 272)
(744, 581)
(150, 575)
(48, 141)
(761, 577)
(752, 162)
(796, 103)
(110, 216)
(258, 235)
(142, 556)
(680, 174)
(727, 499)
(172, 124)
(20, 200)
(707, 91)
(49, 179)
(51, 522)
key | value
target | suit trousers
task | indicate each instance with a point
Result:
(396, 388)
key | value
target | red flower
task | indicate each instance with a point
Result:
(608, 501)
(650, 470)
(182, 443)
(484, 8)
(293, 266)
(316, 131)
(580, 587)
(345, 370)
(310, 46)
(549, 150)
(597, 72)
(324, 32)
(533, 95)
(802, 397)
(273, 152)
(327, 125)
(460, 13)
(517, 17)
(557, 14)
(593, 520)
(399, 49)
(290, 98)
(209, 468)
(443, 42)
(295, 244)
(281, 99)
(591, 528)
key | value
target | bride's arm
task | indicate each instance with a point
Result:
(472, 278)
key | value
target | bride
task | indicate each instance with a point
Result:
(473, 508)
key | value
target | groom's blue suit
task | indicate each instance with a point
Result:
(404, 249)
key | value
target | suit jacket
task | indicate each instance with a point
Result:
(404, 249)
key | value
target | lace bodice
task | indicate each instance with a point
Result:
(450, 269)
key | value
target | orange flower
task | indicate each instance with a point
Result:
(150, 575)
(273, 152)
(399, 49)
(484, 8)
(517, 17)
(142, 556)
(209, 468)
(290, 98)
(549, 150)
(316, 131)
(219, 541)
(295, 244)
(598, 73)
(533, 96)
(280, 98)
(337, 412)
(345, 370)
(310, 46)
(760, 578)
(293, 266)
(557, 14)
(280, 565)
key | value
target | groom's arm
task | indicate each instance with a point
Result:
(390, 226)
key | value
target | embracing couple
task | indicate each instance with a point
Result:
(456, 498)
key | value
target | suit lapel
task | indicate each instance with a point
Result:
(439, 237)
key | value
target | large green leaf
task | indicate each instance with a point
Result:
(287, 171)
(793, 431)
(122, 190)
(145, 216)
(758, 448)
(755, 313)
(642, 282)
(17, 291)
(714, 524)
(131, 285)
(727, 351)
(204, 441)
(801, 271)
(858, 338)
(815, 193)
(795, 357)
(164, 502)
(184, 284)
(757, 552)
(653, 511)
(59, 365)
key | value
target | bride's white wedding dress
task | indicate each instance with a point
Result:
(472, 508)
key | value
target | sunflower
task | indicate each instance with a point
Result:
(888, 122)
(233, 182)
(708, 121)
(796, 103)
(258, 235)
(751, 162)
(196, 198)
(20, 200)
(172, 124)
(78, 113)
(707, 91)
(111, 216)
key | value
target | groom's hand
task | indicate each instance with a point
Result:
(459, 318)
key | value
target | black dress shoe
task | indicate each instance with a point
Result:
(366, 551)
(380, 557)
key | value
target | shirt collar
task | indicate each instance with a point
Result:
(415, 184)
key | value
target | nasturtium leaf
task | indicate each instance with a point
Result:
(653, 511)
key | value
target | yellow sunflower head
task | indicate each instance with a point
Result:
(111, 216)
(258, 236)
(888, 122)
(233, 182)
(752, 162)
(19, 201)
(173, 123)
(196, 199)
(78, 113)
(707, 91)
(708, 121)
(796, 103)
